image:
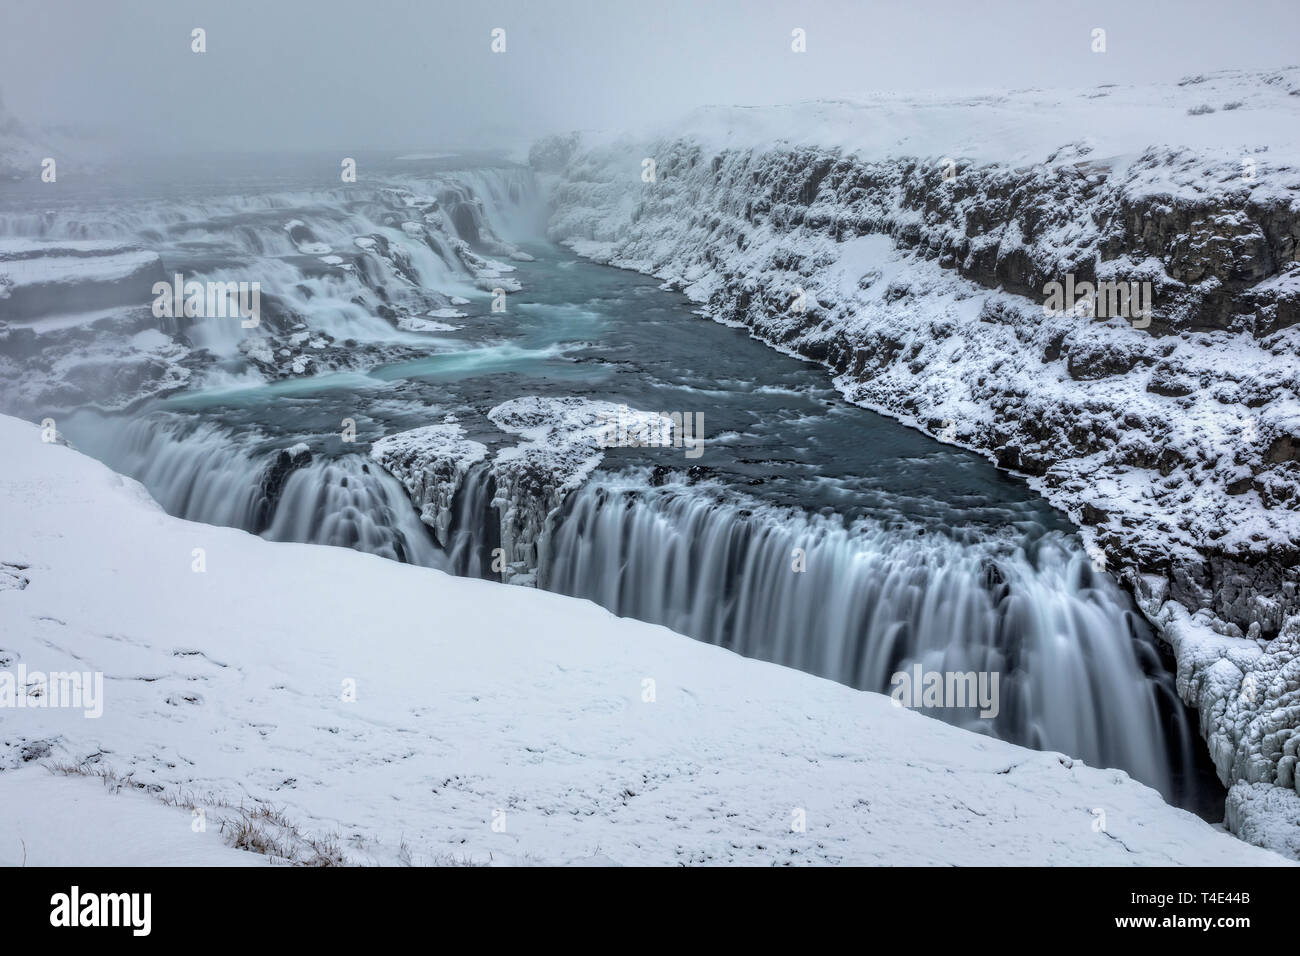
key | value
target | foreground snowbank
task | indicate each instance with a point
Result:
(327, 705)
(54, 819)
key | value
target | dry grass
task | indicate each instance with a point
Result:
(260, 829)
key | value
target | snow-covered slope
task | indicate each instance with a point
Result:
(908, 243)
(331, 706)
(54, 819)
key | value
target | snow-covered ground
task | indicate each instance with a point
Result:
(325, 705)
(908, 242)
(53, 819)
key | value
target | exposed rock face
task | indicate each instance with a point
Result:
(1171, 438)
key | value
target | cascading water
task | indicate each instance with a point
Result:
(204, 473)
(474, 531)
(1075, 661)
(349, 262)
(1078, 669)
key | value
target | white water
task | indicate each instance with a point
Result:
(333, 259)
(203, 473)
(873, 601)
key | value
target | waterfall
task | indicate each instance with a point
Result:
(1078, 668)
(475, 528)
(208, 473)
(859, 603)
(346, 261)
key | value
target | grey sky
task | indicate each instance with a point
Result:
(356, 74)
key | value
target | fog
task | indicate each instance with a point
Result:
(349, 75)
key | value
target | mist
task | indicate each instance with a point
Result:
(391, 74)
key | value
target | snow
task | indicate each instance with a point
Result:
(1009, 127)
(53, 819)
(227, 691)
(149, 340)
(16, 247)
(565, 435)
(414, 323)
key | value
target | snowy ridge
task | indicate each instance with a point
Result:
(1007, 127)
(907, 244)
(222, 693)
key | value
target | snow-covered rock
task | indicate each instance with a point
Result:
(563, 441)
(323, 705)
(431, 463)
(910, 244)
(565, 438)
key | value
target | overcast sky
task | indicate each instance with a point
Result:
(356, 74)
